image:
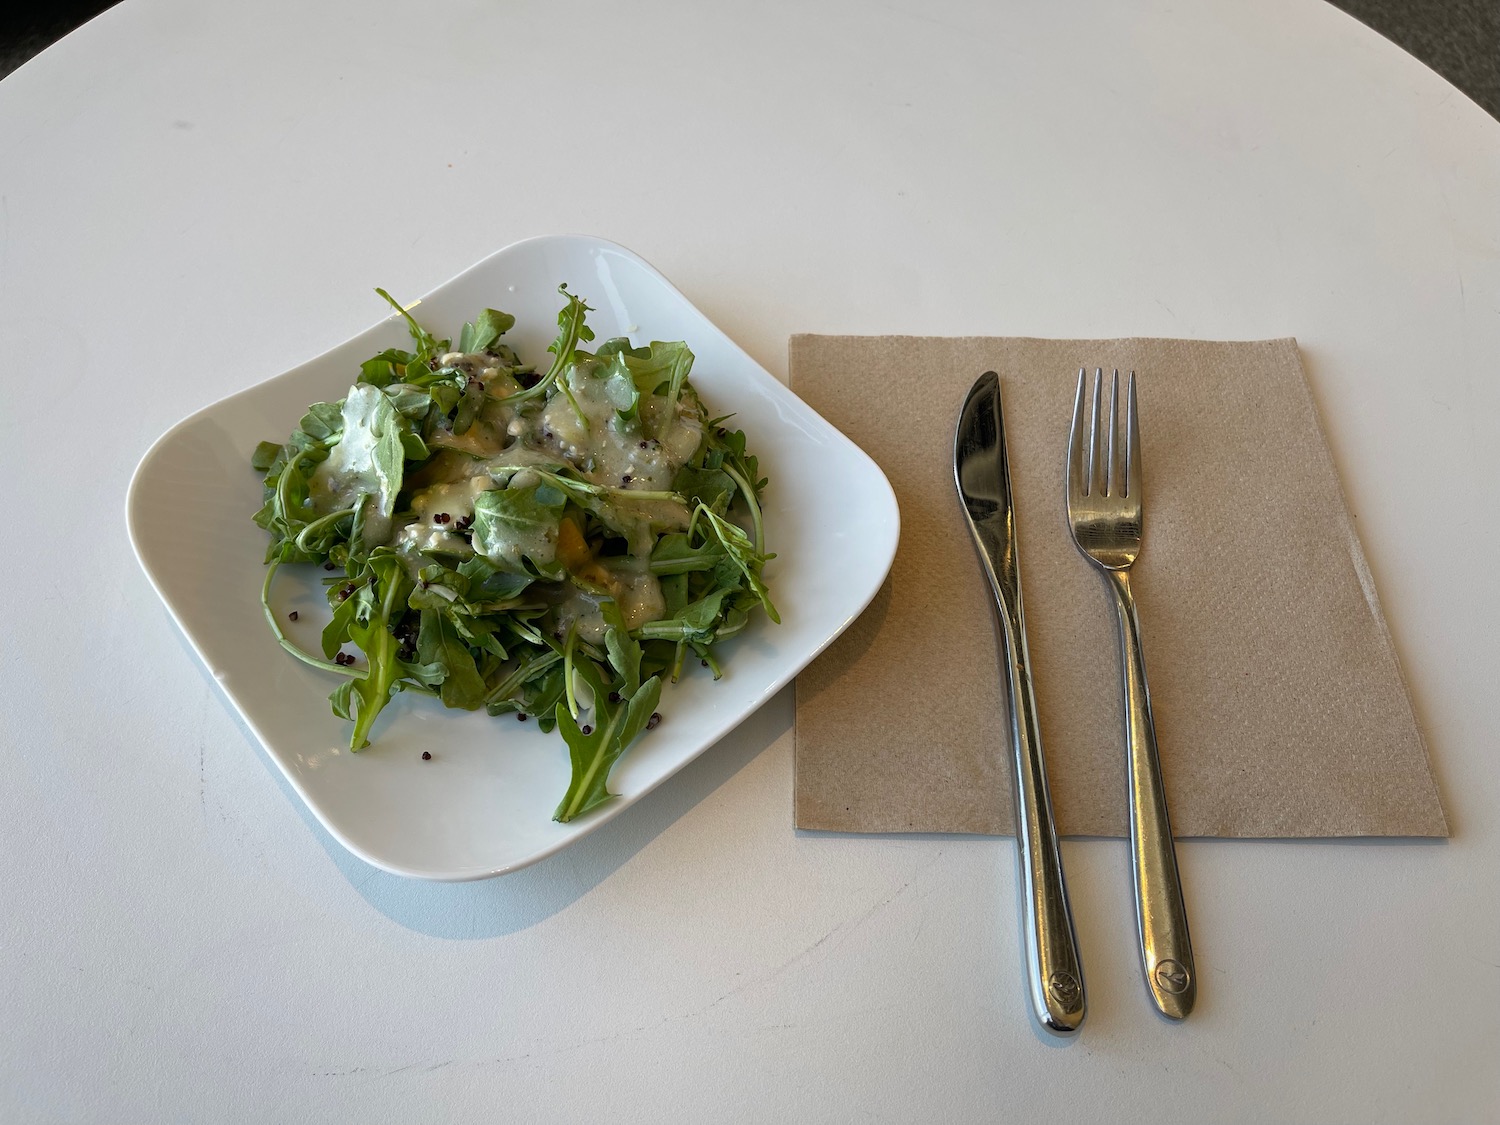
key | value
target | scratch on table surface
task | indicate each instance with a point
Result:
(383, 1072)
(1223, 1062)
(840, 931)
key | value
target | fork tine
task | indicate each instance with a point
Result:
(1097, 463)
(1116, 440)
(1077, 485)
(1133, 445)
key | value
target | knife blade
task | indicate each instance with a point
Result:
(981, 471)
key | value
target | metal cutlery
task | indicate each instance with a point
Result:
(1105, 502)
(982, 474)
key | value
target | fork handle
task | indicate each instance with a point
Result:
(1161, 920)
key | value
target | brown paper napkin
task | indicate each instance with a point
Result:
(1280, 708)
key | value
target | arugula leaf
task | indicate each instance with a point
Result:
(661, 367)
(285, 511)
(428, 347)
(370, 453)
(620, 345)
(564, 349)
(264, 456)
(726, 451)
(528, 671)
(410, 402)
(675, 554)
(322, 421)
(489, 582)
(479, 633)
(694, 622)
(469, 402)
(542, 696)
(623, 650)
(370, 629)
(512, 524)
(342, 700)
(438, 643)
(484, 330)
(593, 755)
(674, 591)
(743, 555)
(710, 487)
(624, 396)
(386, 368)
(336, 632)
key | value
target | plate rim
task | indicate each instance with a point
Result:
(713, 733)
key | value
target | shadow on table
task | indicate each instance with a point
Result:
(510, 903)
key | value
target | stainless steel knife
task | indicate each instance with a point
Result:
(982, 473)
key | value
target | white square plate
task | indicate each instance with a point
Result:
(482, 806)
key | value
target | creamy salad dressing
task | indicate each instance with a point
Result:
(501, 448)
(417, 537)
(455, 498)
(349, 470)
(638, 595)
(619, 456)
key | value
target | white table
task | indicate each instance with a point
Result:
(193, 197)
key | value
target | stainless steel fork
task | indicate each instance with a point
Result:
(1104, 512)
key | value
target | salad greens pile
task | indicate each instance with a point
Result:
(548, 544)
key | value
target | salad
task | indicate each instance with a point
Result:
(543, 544)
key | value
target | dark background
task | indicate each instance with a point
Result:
(1460, 39)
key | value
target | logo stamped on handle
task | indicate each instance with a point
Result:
(1064, 988)
(1171, 976)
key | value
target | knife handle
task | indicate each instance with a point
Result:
(1054, 973)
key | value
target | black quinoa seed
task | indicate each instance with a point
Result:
(292, 616)
(626, 479)
(521, 716)
(704, 663)
(346, 591)
(586, 729)
(327, 566)
(614, 697)
(442, 517)
(426, 755)
(653, 720)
